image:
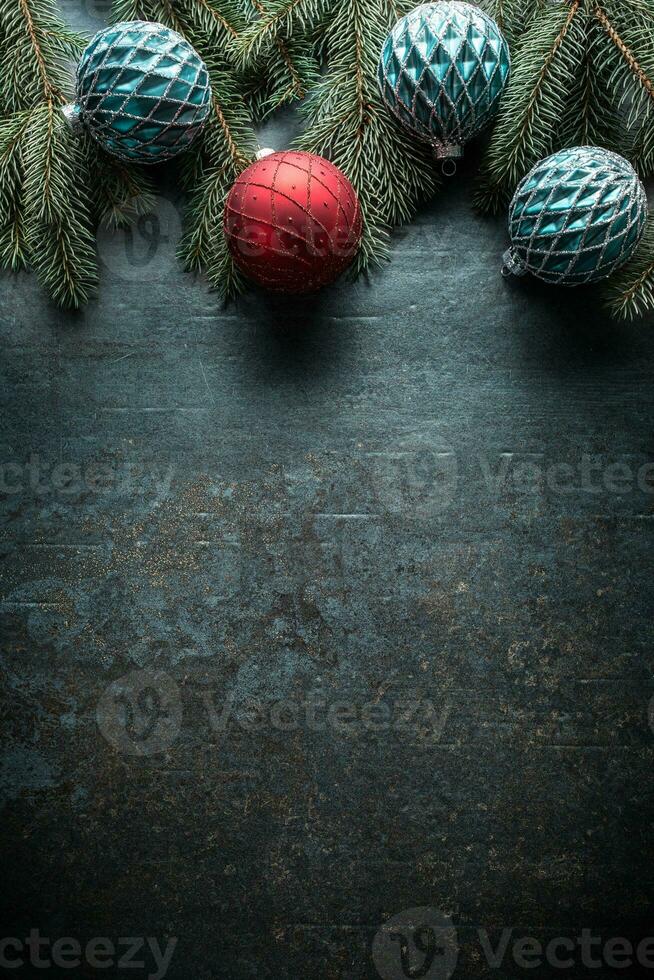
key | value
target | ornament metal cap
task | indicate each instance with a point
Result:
(513, 264)
(446, 150)
(71, 114)
(265, 151)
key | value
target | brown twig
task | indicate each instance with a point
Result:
(626, 52)
(546, 66)
(50, 91)
(217, 16)
(237, 157)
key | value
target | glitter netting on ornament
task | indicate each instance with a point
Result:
(442, 71)
(141, 91)
(576, 217)
(292, 222)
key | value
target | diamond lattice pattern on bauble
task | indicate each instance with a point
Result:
(143, 91)
(578, 215)
(443, 69)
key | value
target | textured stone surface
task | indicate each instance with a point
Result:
(326, 500)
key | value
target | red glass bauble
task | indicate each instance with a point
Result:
(292, 222)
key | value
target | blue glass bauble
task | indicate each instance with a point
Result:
(442, 72)
(142, 91)
(576, 217)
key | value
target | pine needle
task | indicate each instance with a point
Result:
(347, 122)
(228, 142)
(630, 291)
(544, 72)
(59, 237)
(512, 16)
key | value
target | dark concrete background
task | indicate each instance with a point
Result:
(359, 498)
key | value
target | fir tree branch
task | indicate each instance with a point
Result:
(347, 121)
(626, 52)
(277, 18)
(629, 25)
(275, 49)
(227, 148)
(226, 22)
(59, 237)
(13, 235)
(35, 50)
(45, 218)
(544, 73)
(591, 114)
(119, 192)
(297, 87)
(512, 16)
(630, 291)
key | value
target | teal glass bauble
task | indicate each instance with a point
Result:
(141, 91)
(576, 217)
(442, 72)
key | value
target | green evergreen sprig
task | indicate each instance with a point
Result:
(544, 73)
(228, 147)
(281, 63)
(228, 142)
(345, 119)
(513, 16)
(629, 26)
(630, 291)
(53, 187)
(44, 209)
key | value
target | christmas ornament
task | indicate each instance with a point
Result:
(141, 91)
(292, 221)
(576, 217)
(442, 72)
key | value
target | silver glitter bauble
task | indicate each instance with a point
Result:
(142, 92)
(576, 217)
(442, 72)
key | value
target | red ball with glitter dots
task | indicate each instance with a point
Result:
(292, 222)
